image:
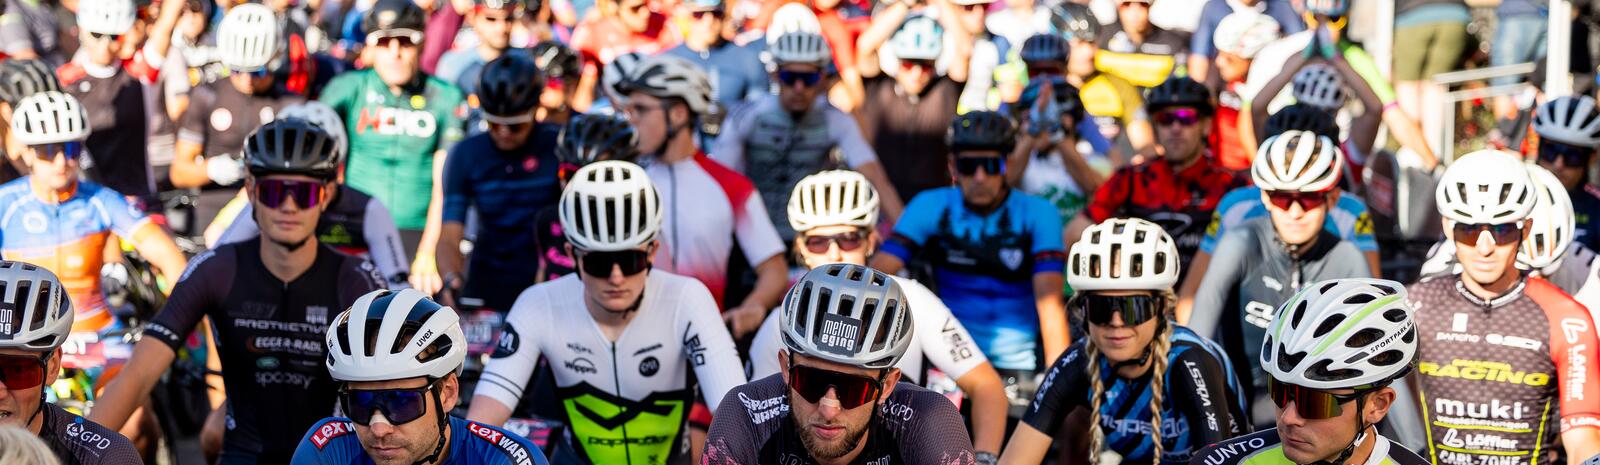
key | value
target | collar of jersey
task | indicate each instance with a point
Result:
(1497, 302)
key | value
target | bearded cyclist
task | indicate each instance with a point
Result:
(587, 138)
(1492, 332)
(839, 398)
(1569, 131)
(621, 337)
(1137, 372)
(778, 139)
(34, 324)
(1266, 260)
(269, 300)
(835, 215)
(1331, 354)
(396, 357)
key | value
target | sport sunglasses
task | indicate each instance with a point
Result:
(599, 264)
(1134, 309)
(1307, 200)
(1504, 234)
(273, 192)
(1570, 155)
(21, 372)
(1311, 404)
(852, 390)
(399, 406)
(848, 242)
(969, 166)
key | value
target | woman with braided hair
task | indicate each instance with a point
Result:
(1157, 392)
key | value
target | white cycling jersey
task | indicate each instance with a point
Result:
(936, 336)
(625, 398)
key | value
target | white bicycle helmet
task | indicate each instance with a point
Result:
(1486, 187)
(411, 336)
(833, 197)
(847, 314)
(1245, 33)
(610, 206)
(617, 71)
(1123, 254)
(800, 47)
(106, 16)
(1569, 120)
(322, 116)
(919, 38)
(35, 314)
(1319, 85)
(1341, 333)
(1553, 226)
(247, 38)
(49, 118)
(1299, 161)
(792, 17)
(668, 76)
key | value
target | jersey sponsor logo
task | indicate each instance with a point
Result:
(268, 363)
(840, 334)
(514, 450)
(649, 366)
(1259, 314)
(1478, 370)
(266, 115)
(388, 121)
(1458, 333)
(35, 222)
(317, 314)
(331, 430)
(1494, 409)
(83, 434)
(509, 342)
(1170, 427)
(1573, 328)
(1223, 452)
(636, 353)
(695, 351)
(1576, 376)
(1203, 392)
(892, 410)
(581, 365)
(284, 378)
(1448, 457)
(1272, 283)
(287, 344)
(575, 347)
(221, 119)
(1477, 441)
(960, 347)
(1011, 258)
(765, 409)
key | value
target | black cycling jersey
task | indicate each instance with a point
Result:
(118, 122)
(354, 224)
(219, 117)
(271, 338)
(1586, 213)
(914, 426)
(78, 441)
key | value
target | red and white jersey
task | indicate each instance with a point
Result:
(707, 206)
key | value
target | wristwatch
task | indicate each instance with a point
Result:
(985, 458)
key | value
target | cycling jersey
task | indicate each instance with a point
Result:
(551, 244)
(31, 25)
(908, 131)
(1586, 213)
(507, 188)
(271, 337)
(735, 71)
(1180, 202)
(763, 141)
(1266, 448)
(354, 224)
(913, 426)
(118, 125)
(983, 265)
(1501, 379)
(938, 338)
(1250, 275)
(1227, 141)
(1200, 404)
(1046, 177)
(220, 117)
(1146, 63)
(78, 441)
(1348, 219)
(69, 238)
(393, 138)
(1113, 102)
(333, 441)
(709, 208)
(627, 400)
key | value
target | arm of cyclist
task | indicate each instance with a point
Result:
(1191, 285)
(1363, 131)
(188, 168)
(158, 40)
(948, 346)
(913, 230)
(457, 198)
(425, 275)
(884, 24)
(1408, 133)
(958, 44)
(505, 375)
(1573, 347)
(772, 280)
(1087, 178)
(721, 370)
(1053, 332)
(1262, 101)
(1064, 385)
(1199, 385)
(149, 238)
(1220, 282)
(383, 244)
(983, 386)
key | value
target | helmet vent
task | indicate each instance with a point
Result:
(1287, 361)
(1411, 334)
(1268, 353)
(1319, 372)
(1363, 338)
(1094, 267)
(1359, 299)
(1116, 251)
(41, 305)
(804, 309)
(1160, 262)
(1328, 325)
(1136, 269)
(1387, 358)
(1299, 314)
(1395, 315)
(344, 336)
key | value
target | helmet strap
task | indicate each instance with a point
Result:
(44, 365)
(438, 447)
(1361, 435)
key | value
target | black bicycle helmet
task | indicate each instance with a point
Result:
(555, 59)
(1074, 21)
(1046, 48)
(588, 136)
(1179, 91)
(510, 85)
(390, 15)
(292, 146)
(1302, 117)
(22, 78)
(1068, 101)
(982, 130)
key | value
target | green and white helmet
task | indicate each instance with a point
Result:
(1342, 333)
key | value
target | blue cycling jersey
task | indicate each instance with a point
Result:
(508, 188)
(735, 71)
(1586, 215)
(333, 441)
(984, 265)
(1348, 220)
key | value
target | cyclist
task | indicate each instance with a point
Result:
(1123, 272)
(1239, 37)
(1138, 50)
(1321, 84)
(835, 214)
(210, 133)
(739, 74)
(1492, 329)
(388, 353)
(401, 123)
(1116, 105)
(907, 111)
(561, 71)
(586, 139)
(996, 252)
(1263, 261)
(490, 21)
(354, 223)
(621, 337)
(19, 79)
(269, 300)
(1060, 147)
(778, 139)
(1205, 46)
(507, 175)
(30, 31)
(1333, 346)
(34, 324)
(1179, 190)
(708, 207)
(840, 354)
(1569, 132)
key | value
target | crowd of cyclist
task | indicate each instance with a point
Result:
(671, 232)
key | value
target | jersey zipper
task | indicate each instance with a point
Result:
(616, 383)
